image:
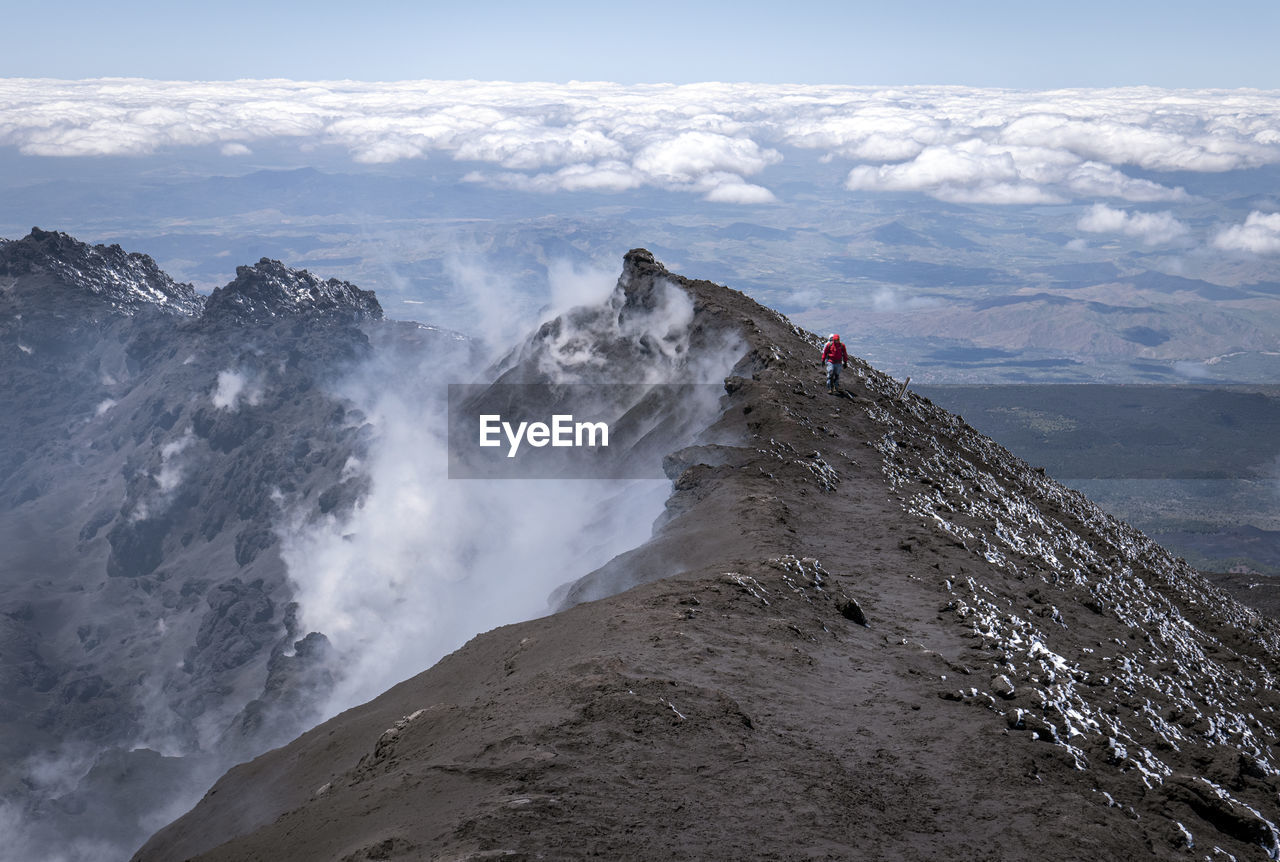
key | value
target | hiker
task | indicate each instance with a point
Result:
(835, 357)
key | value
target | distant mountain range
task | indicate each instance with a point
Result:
(944, 292)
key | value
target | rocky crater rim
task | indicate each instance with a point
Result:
(130, 281)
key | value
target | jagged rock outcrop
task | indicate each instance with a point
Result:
(269, 290)
(57, 275)
(646, 331)
(861, 630)
(151, 448)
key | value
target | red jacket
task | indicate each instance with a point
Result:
(835, 352)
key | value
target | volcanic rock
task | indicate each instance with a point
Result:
(269, 290)
(149, 445)
(708, 695)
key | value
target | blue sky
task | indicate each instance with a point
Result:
(1001, 44)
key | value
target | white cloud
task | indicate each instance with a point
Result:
(690, 155)
(889, 300)
(866, 130)
(1095, 180)
(997, 193)
(602, 177)
(524, 144)
(386, 151)
(167, 478)
(976, 171)
(695, 161)
(1149, 228)
(970, 164)
(232, 388)
(170, 473)
(730, 189)
(739, 193)
(1259, 234)
(953, 143)
(1152, 140)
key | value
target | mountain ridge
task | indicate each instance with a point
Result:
(861, 629)
(122, 281)
(857, 619)
(269, 289)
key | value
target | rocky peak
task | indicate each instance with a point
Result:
(126, 281)
(269, 290)
(641, 273)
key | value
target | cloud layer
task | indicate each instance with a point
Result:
(1150, 228)
(956, 144)
(1260, 234)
